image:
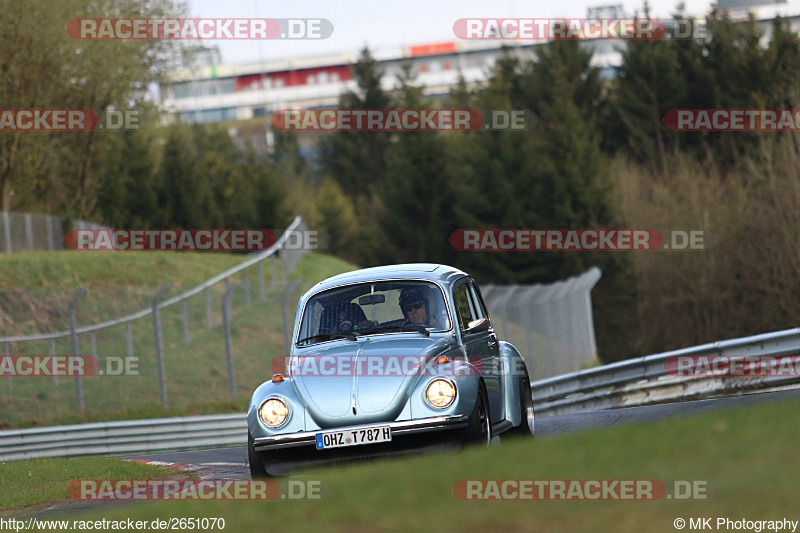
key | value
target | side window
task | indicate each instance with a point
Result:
(478, 311)
(476, 295)
(465, 312)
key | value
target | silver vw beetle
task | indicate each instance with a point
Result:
(387, 360)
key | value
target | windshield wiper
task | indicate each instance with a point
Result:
(329, 336)
(407, 327)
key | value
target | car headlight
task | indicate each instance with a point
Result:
(441, 393)
(273, 412)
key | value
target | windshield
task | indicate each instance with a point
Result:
(374, 307)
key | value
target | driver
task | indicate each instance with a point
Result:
(414, 306)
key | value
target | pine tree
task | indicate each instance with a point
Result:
(129, 191)
(357, 159)
(553, 176)
(186, 198)
(416, 194)
(649, 84)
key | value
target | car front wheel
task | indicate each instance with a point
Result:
(257, 470)
(527, 425)
(479, 430)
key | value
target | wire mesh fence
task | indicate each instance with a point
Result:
(28, 231)
(550, 324)
(168, 345)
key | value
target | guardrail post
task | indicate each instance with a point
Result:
(246, 288)
(52, 354)
(262, 292)
(209, 316)
(74, 341)
(286, 332)
(159, 340)
(226, 326)
(129, 339)
(185, 319)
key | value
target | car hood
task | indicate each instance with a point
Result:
(346, 382)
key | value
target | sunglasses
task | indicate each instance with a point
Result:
(415, 306)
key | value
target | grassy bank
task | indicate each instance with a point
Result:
(747, 456)
(27, 485)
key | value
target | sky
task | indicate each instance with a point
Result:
(388, 25)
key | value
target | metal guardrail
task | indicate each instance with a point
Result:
(639, 381)
(645, 380)
(123, 437)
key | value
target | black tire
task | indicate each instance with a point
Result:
(257, 470)
(527, 427)
(479, 430)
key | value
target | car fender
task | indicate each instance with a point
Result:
(462, 374)
(285, 391)
(512, 366)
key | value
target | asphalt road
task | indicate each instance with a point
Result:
(231, 462)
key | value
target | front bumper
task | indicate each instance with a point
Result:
(402, 427)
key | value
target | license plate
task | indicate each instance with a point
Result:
(353, 437)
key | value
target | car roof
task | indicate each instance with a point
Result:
(430, 271)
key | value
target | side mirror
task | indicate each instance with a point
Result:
(478, 326)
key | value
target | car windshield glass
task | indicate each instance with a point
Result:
(374, 307)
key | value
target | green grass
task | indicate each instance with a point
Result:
(27, 484)
(748, 454)
(196, 372)
(36, 287)
(71, 270)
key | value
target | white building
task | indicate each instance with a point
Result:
(215, 92)
(211, 91)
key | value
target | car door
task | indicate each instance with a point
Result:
(479, 342)
(494, 354)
